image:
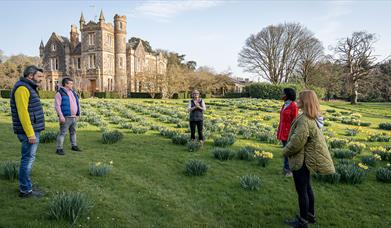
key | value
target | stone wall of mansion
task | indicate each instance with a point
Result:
(100, 59)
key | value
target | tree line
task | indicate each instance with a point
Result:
(290, 53)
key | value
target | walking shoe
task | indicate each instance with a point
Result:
(33, 193)
(297, 222)
(311, 218)
(60, 152)
(288, 174)
(76, 148)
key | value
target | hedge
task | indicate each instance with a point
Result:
(181, 95)
(206, 95)
(270, 91)
(43, 94)
(107, 95)
(85, 94)
(5, 93)
(187, 95)
(139, 95)
(236, 95)
(158, 96)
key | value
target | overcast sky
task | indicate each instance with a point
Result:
(208, 32)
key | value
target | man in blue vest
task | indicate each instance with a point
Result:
(28, 121)
(68, 110)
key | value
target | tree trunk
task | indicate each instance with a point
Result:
(354, 93)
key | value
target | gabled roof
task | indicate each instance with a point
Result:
(77, 49)
(64, 40)
(134, 44)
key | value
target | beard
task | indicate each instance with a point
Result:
(36, 81)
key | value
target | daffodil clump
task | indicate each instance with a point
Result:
(337, 143)
(384, 154)
(110, 137)
(352, 131)
(356, 116)
(100, 168)
(69, 206)
(246, 153)
(379, 137)
(371, 160)
(9, 170)
(263, 157)
(385, 126)
(384, 174)
(356, 146)
(352, 173)
(250, 182)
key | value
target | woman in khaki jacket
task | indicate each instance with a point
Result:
(307, 153)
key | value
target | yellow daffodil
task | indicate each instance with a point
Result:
(263, 155)
(377, 149)
(377, 157)
(362, 166)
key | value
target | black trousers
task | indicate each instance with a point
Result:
(286, 162)
(199, 124)
(306, 198)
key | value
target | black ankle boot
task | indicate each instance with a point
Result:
(297, 222)
(311, 218)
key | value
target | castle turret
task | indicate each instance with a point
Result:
(120, 78)
(74, 35)
(41, 49)
(81, 21)
(101, 17)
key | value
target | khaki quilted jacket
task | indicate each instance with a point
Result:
(307, 144)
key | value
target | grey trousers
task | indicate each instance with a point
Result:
(70, 124)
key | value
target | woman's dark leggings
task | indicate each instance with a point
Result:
(304, 191)
(199, 125)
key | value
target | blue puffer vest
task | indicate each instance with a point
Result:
(35, 109)
(65, 103)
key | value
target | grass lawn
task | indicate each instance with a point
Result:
(148, 188)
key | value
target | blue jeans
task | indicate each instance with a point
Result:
(26, 162)
(286, 163)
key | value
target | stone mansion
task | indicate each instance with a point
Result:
(102, 60)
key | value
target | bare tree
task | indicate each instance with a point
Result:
(177, 80)
(274, 52)
(311, 52)
(355, 53)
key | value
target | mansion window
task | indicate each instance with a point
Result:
(53, 64)
(91, 61)
(78, 63)
(110, 40)
(110, 84)
(91, 38)
(112, 63)
(53, 47)
(121, 62)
